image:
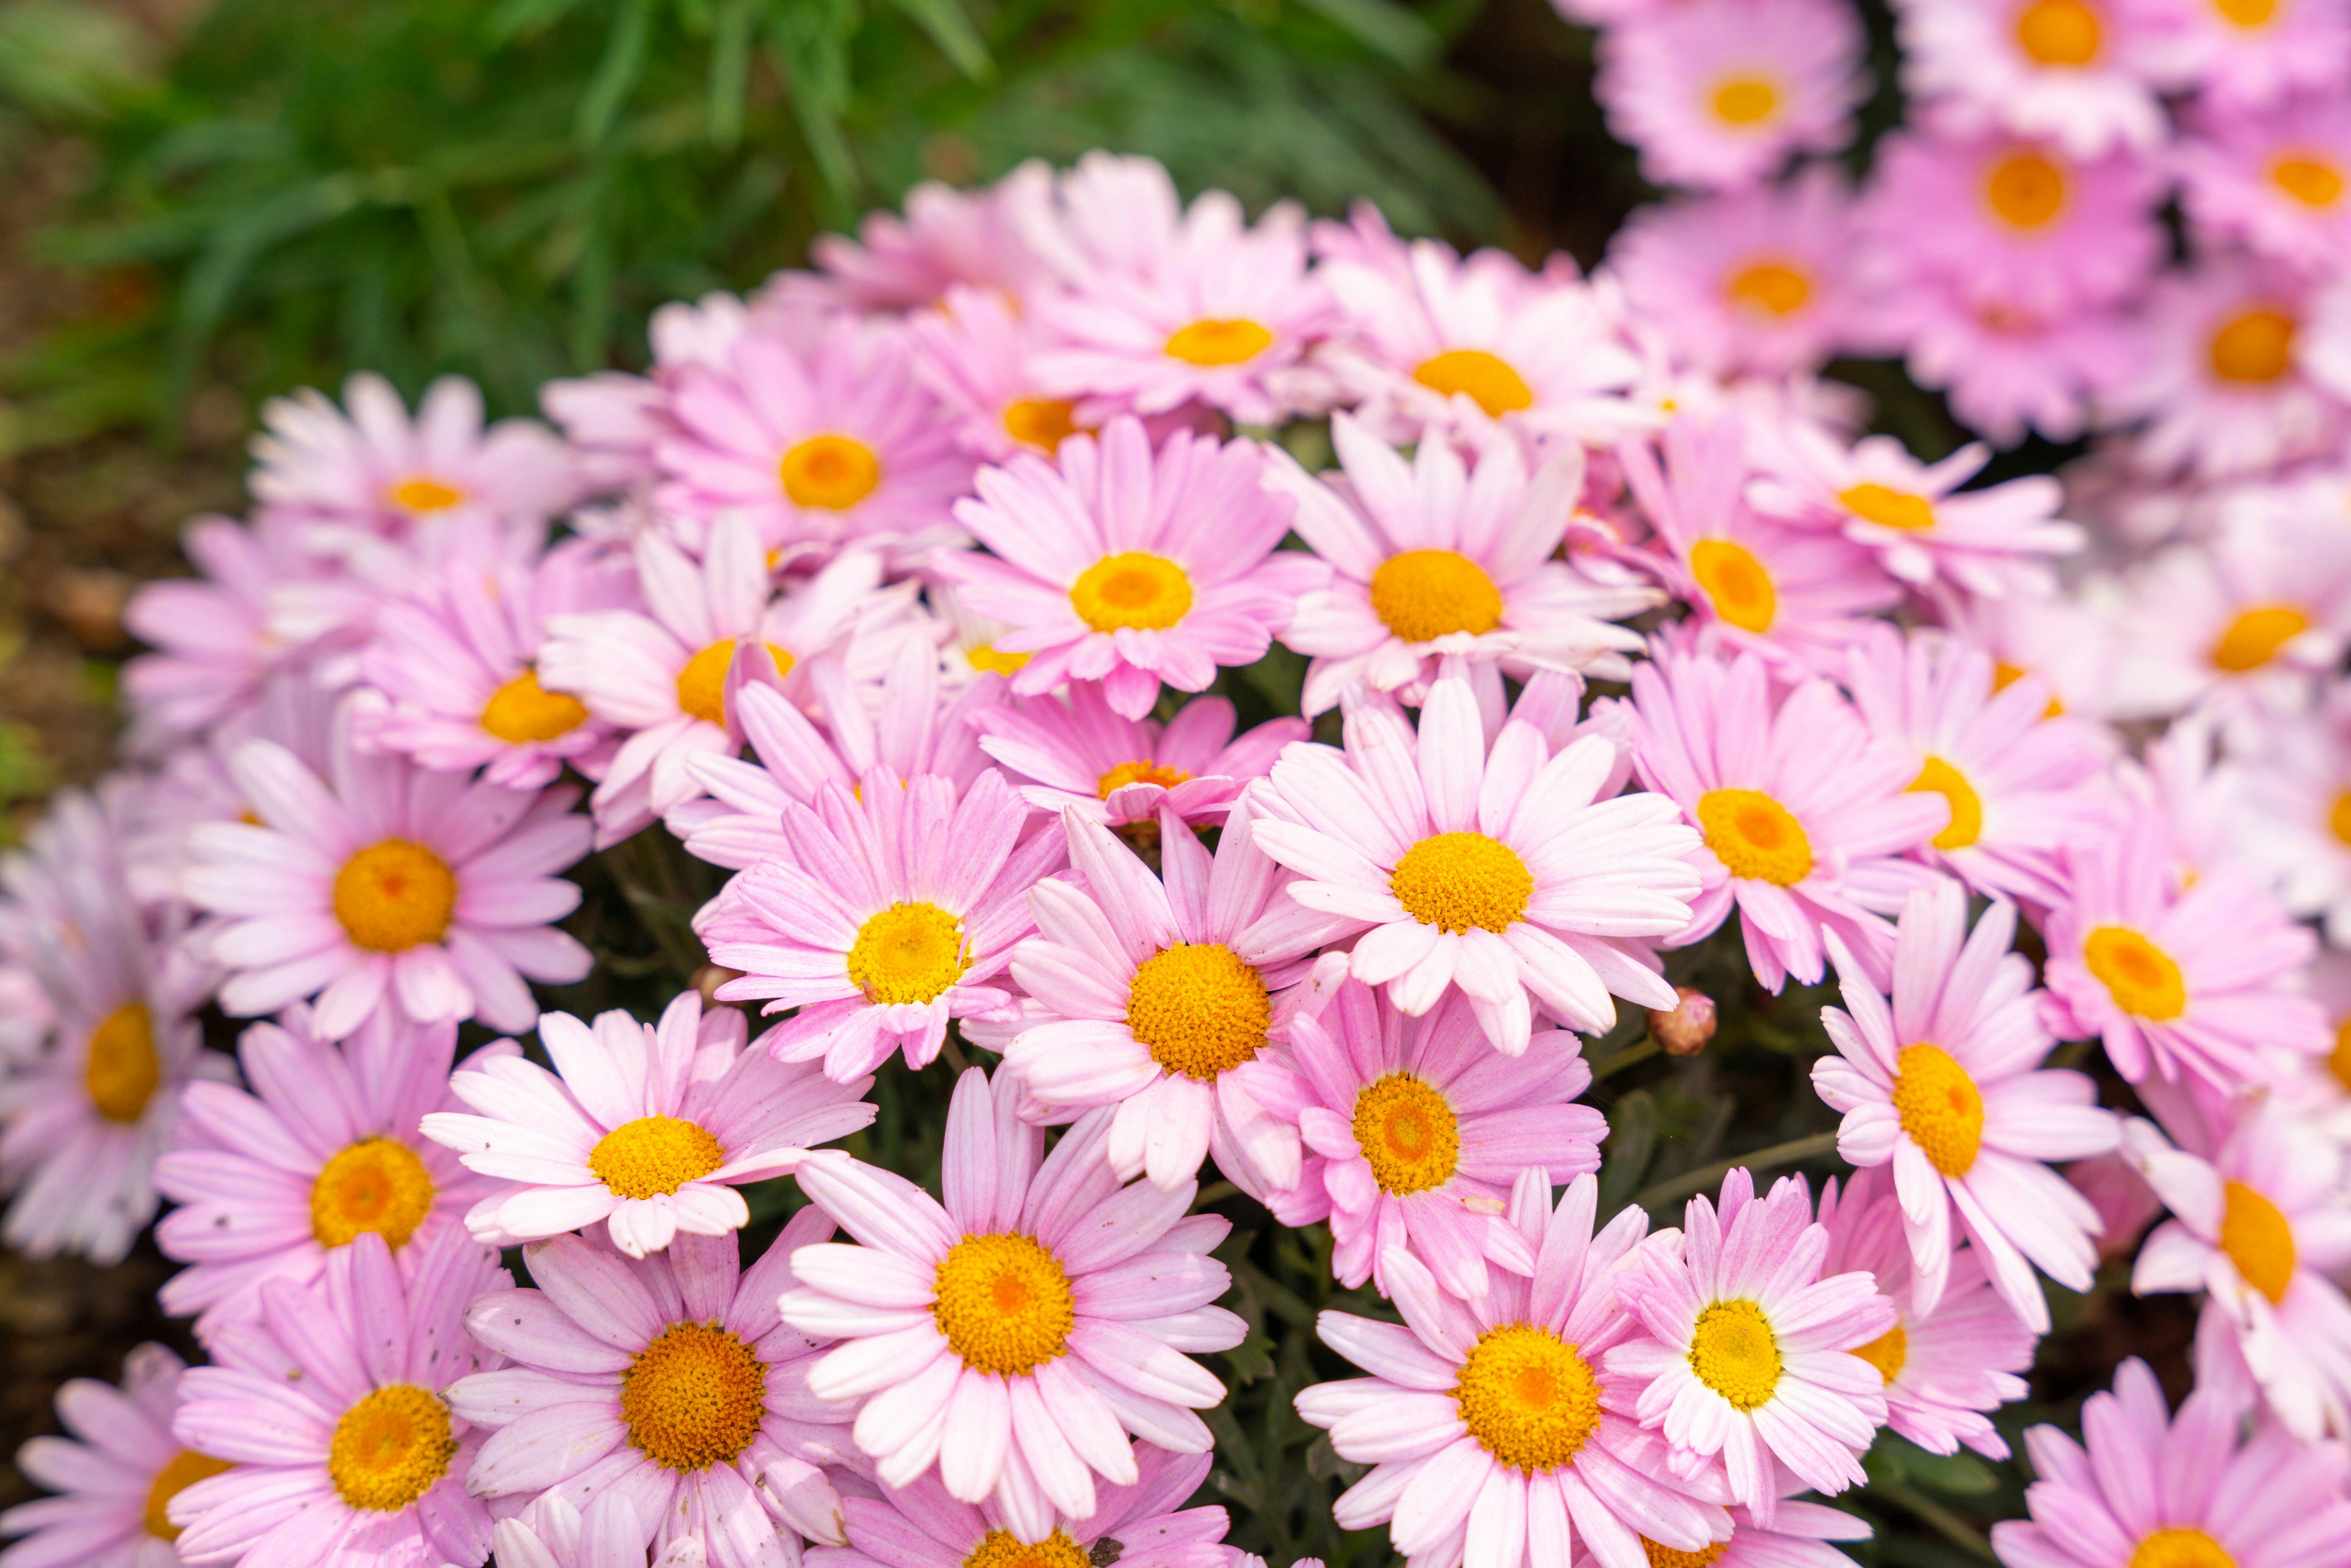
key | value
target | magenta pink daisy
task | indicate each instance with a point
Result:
(1075, 751)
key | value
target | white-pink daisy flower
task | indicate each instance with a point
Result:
(2245, 54)
(978, 352)
(213, 649)
(2276, 180)
(1075, 751)
(2003, 368)
(2078, 72)
(114, 1478)
(2295, 827)
(947, 239)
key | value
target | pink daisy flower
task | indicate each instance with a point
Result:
(2251, 53)
(1747, 282)
(1110, 213)
(1075, 751)
(1945, 1363)
(897, 910)
(976, 351)
(1803, 813)
(1431, 558)
(383, 883)
(2184, 1490)
(2076, 71)
(1119, 565)
(2275, 180)
(1169, 1001)
(270, 1184)
(329, 1412)
(2005, 369)
(607, 1534)
(612, 419)
(115, 1477)
(1720, 93)
(1013, 1336)
(2198, 980)
(1752, 1357)
(1945, 1086)
(1504, 1420)
(646, 1129)
(214, 648)
(1799, 1538)
(669, 1380)
(1414, 1134)
(2295, 784)
(947, 239)
(1506, 876)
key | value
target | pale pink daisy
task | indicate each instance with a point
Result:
(325, 1147)
(669, 1380)
(1802, 812)
(2077, 71)
(1110, 213)
(947, 239)
(383, 883)
(1510, 876)
(2294, 828)
(1751, 1358)
(2200, 980)
(1119, 565)
(214, 650)
(1074, 750)
(2004, 369)
(2066, 641)
(1799, 1537)
(2276, 180)
(976, 351)
(1414, 1133)
(114, 1479)
(328, 1410)
(1945, 1085)
(613, 419)
(645, 1129)
(895, 910)
(1431, 558)
(1500, 1429)
(552, 1534)
(1014, 1336)
(2246, 54)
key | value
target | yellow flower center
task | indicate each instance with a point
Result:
(1744, 101)
(377, 1184)
(1528, 1396)
(1457, 881)
(2137, 973)
(1200, 1008)
(2338, 1061)
(2308, 179)
(834, 471)
(2254, 346)
(1409, 1135)
(1888, 508)
(421, 493)
(389, 1447)
(1041, 422)
(1888, 1352)
(995, 661)
(2182, 1547)
(1229, 340)
(186, 1469)
(654, 1155)
(1134, 588)
(1770, 288)
(2246, 13)
(1737, 584)
(1488, 380)
(2058, 32)
(123, 1070)
(1940, 778)
(1755, 836)
(1667, 1557)
(908, 953)
(701, 684)
(693, 1398)
(2025, 190)
(1940, 1106)
(1733, 1352)
(1000, 1548)
(2253, 638)
(1138, 772)
(394, 895)
(1425, 594)
(524, 710)
(1004, 1303)
(2258, 1240)
(2339, 818)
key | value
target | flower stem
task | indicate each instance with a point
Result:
(1704, 1176)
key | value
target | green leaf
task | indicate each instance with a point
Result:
(1386, 27)
(618, 72)
(950, 29)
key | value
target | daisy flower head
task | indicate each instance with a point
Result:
(551, 1533)
(612, 418)
(2275, 180)
(977, 352)
(1013, 1336)
(214, 650)
(1504, 1420)
(2003, 368)
(897, 910)
(669, 1380)
(1414, 1133)
(1753, 281)
(2067, 642)
(1803, 813)
(329, 1416)
(1431, 558)
(1945, 1085)
(114, 1478)
(2199, 980)
(2295, 828)
(1129, 567)
(1720, 93)
(2147, 1487)
(947, 240)
(2078, 72)
(647, 1129)
(2249, 54)
(1799, 1537)
(1513, 874)
(1751, 1353)
(1072, 750)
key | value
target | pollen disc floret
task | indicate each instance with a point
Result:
(1457, 881)
(1039, 422)
(1139, 772)
(423, 493)
(122, 1069)
(186, 1469)
(654, 1155)
(376, 1183)
(1004, 1303)
(1425, 594)
(1888, 1352)
(1135, 589)
(1940, 1106)
(1001, 1549)
(1736, 582)
(1409, 1135)
(1732, 1351)
(694, 1397)
(2254, 348)
(2141, 976)
(523, 710)
(389, 1447)
(1487, 379)
(834, 471)
(1200, 1008)
(2181, 1547)
(1769, 287)
(2254, 637)
(1528, 1396)
(1966, 825)
(1755, 836)
(1888, 508)
(1220, 340)
(395, 896)
(1667, 1557)
(2258, 1239)
(908, 953)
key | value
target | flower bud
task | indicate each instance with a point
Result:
(1684, 1031)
